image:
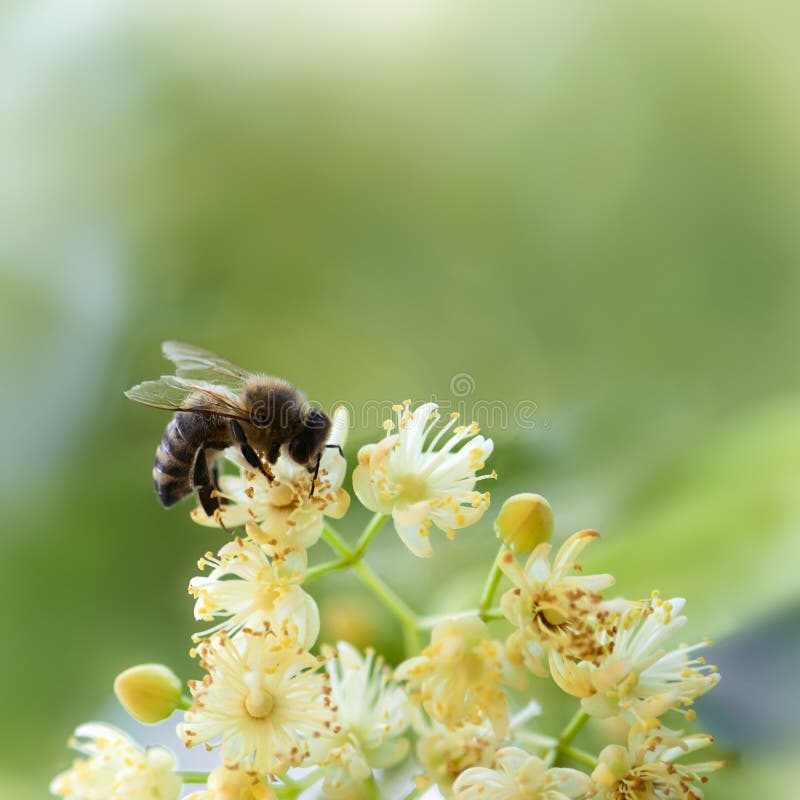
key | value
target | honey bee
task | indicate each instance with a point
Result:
(219, 405)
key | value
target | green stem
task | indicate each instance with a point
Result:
(411, 643)
(292, 789)
(567, 735)
(492, 581)
(573, 726)
(290, 783)
(368, 535)
(185, 703)
(337, 543)
(310, 779)
(371, 785)
(387, 596)
(581, 756)
(318, 570)
(193, 777)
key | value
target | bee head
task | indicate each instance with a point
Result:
(311, 436)
(271, 405)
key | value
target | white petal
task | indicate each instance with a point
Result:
(417, 543)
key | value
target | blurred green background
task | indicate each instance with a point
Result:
(590, 209)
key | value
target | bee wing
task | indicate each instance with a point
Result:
(197, 364)
(173, 393)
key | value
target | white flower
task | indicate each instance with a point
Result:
(444, 753)
(553, 609)
(234, 783)
(281, 514)
(115, 768)
(457, 677)
(248, 590)
(640, 679)
(647, 769)
(518, 775)
(420, 485)
(262, 698)
(373, 713)
(152, 778)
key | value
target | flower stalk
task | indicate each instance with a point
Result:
(368, 535)
(386, 596)
(570, 731)
(492, 582)
(318, 570)
(193, 777)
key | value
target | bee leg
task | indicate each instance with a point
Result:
(338, 447)
(208, 500)
(238, 432)
(205, 481)
(314, 476)
(213, 469)
(250, 455)
(214, 474)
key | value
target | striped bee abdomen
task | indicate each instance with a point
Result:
(175, 455)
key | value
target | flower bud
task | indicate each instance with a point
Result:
(524, 521)
(148, 692)
(612, 767)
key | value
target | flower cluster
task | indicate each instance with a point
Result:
(282, 713)
(116, 767)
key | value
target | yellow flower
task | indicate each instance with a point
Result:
(639, 678)
(280, 514)
(262, 698)
(518, 775)
(457, 677)
(647, 769)
(234, 783)
(444, 753)
(116, 767)
(418, 485)
(554, 610)
(248, 590)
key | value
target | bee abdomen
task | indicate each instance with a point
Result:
(172, 471)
